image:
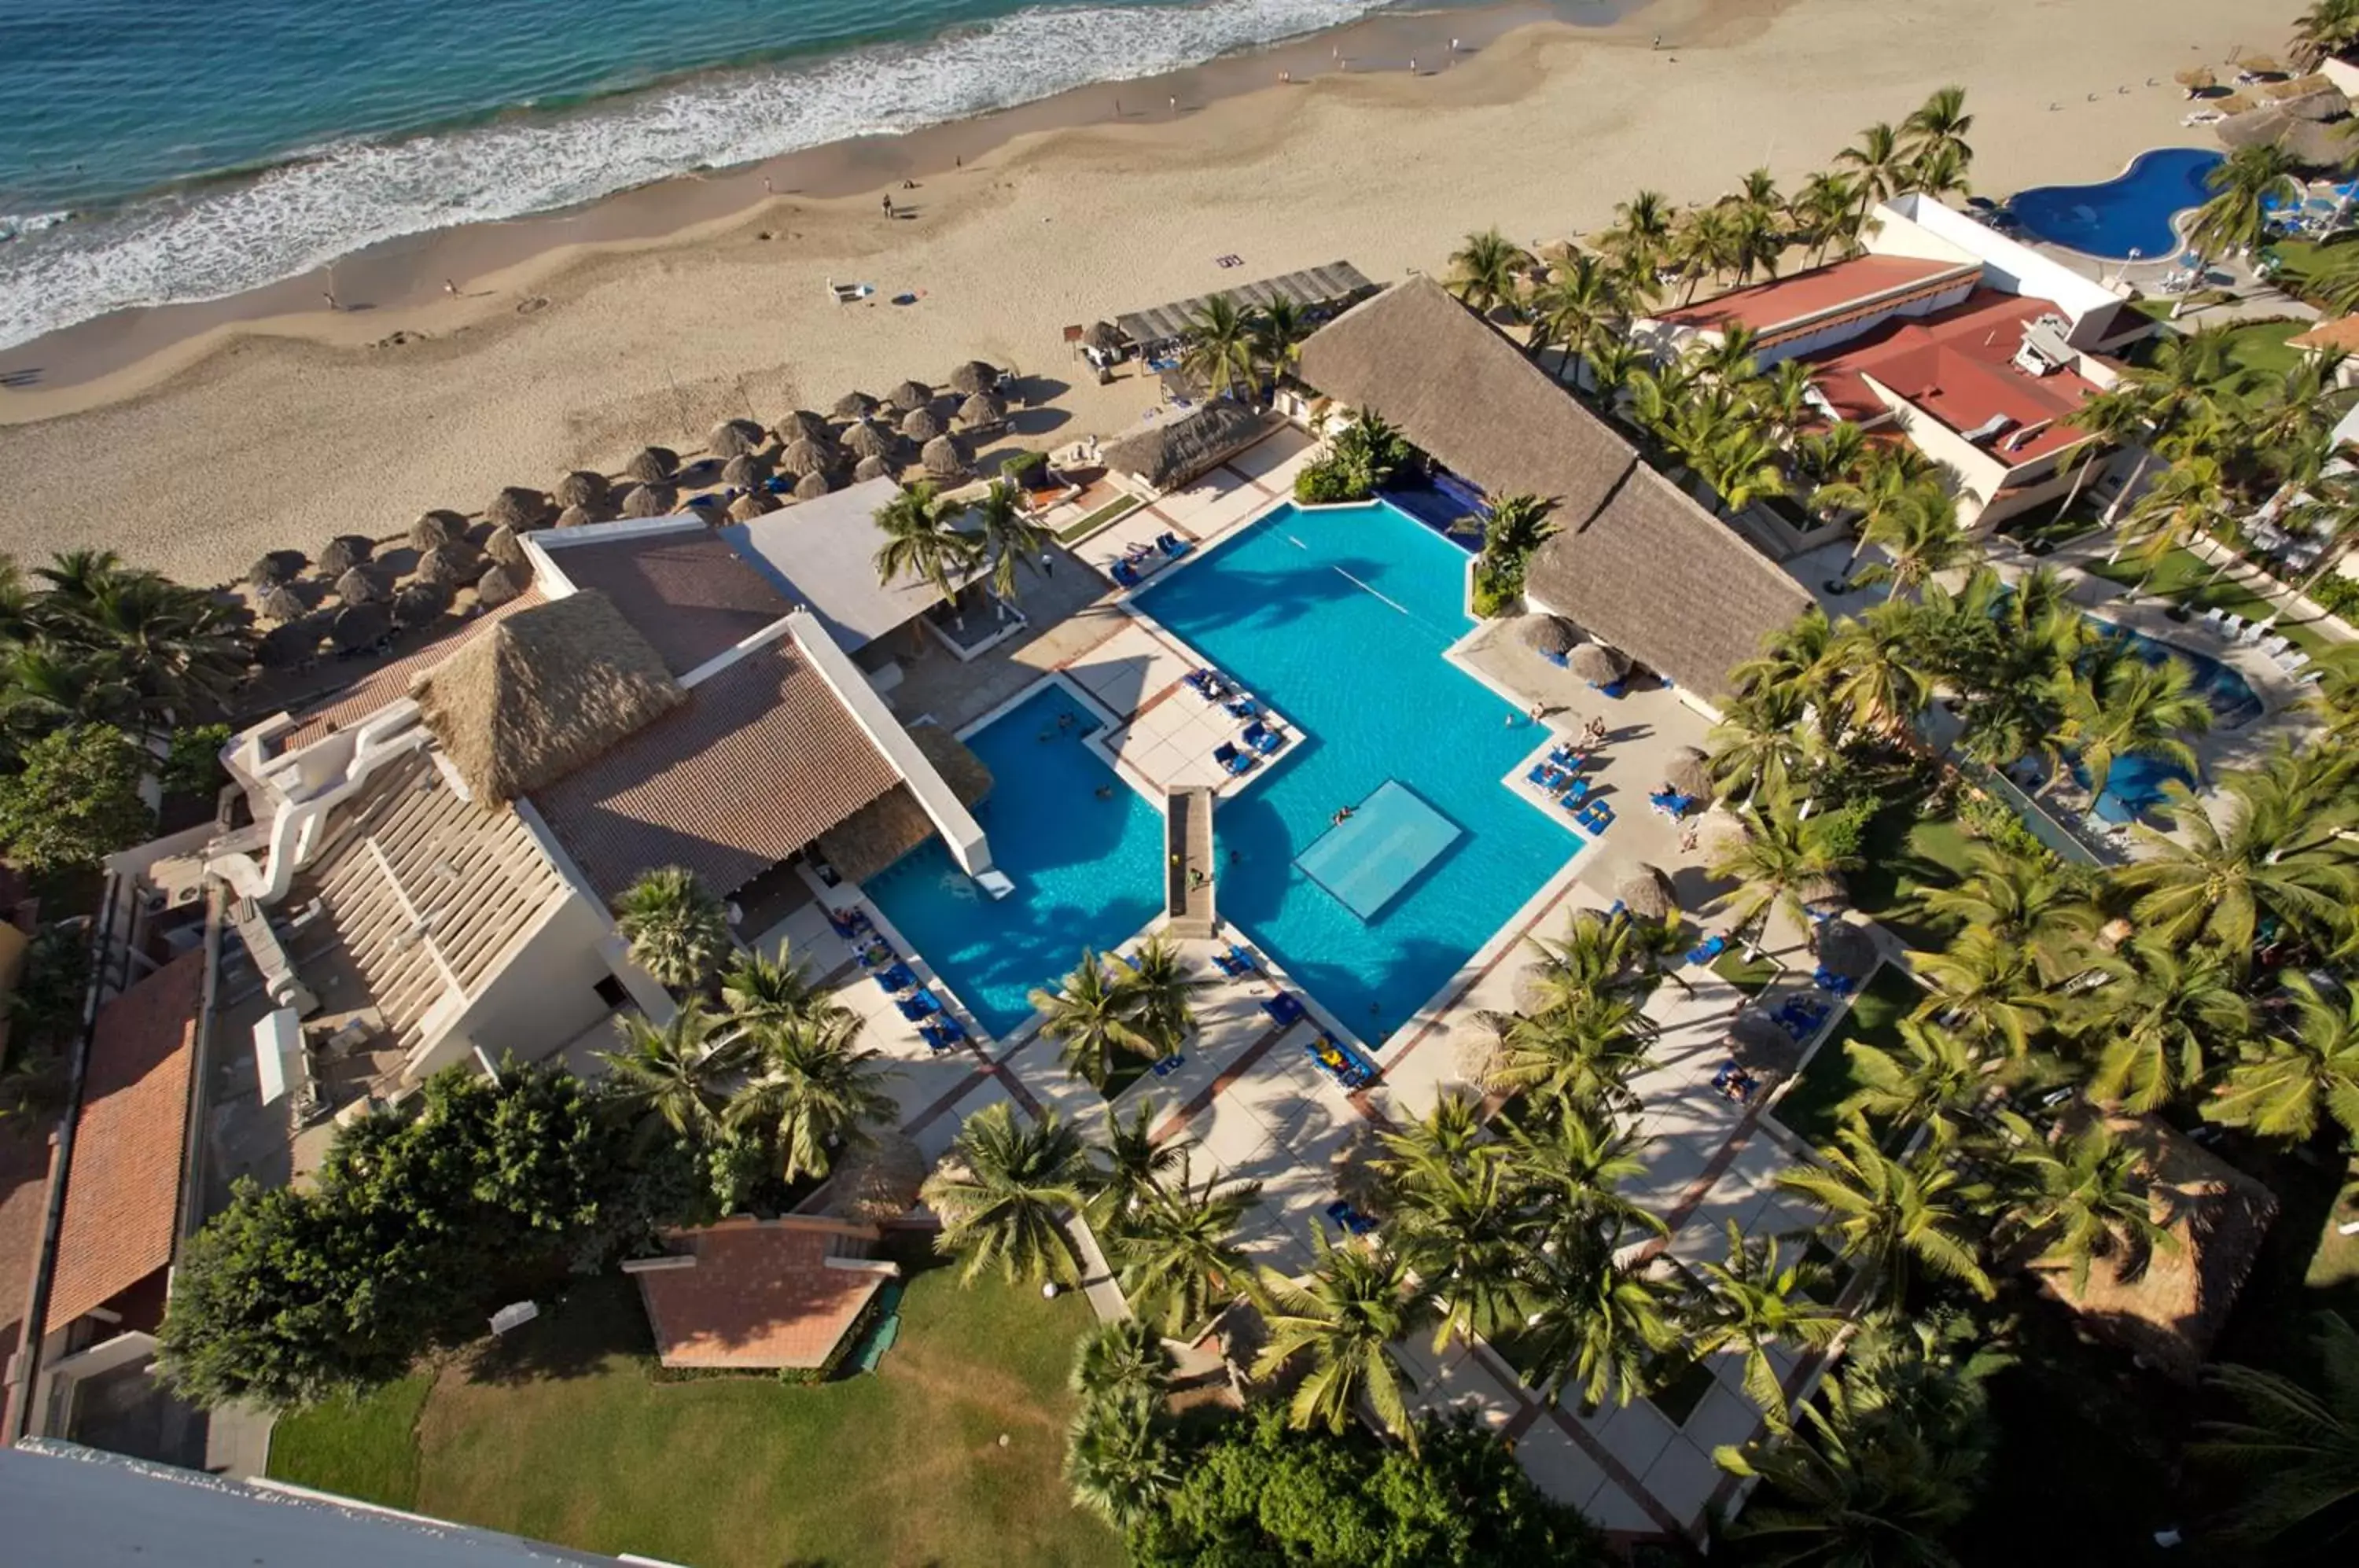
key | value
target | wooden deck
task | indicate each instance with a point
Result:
(1188, 862)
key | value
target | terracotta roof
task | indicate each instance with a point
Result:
(1882, 282)
(1957, 365)
(389, 683)
(759, 1293)
(123, 1191)
(24, 1200)
(2342, 332)
(1461, 391)
(688, 593)
(759, 761)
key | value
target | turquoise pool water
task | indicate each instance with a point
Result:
(2132, 211)
(1087, 871)
(1337, 618)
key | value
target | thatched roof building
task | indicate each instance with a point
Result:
(1598, 664)
(1688, 771)
(543, 692)
(1847, 949)
(1166, 454)
(877, 1180)
(1647, 892)
(893, 824)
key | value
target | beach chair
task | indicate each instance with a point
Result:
(899, 977)
(1172, 545)
(2254, 631)
(1564, 756)
(848, 924)
(1711, 947)
(2211, 618)
(2232, 626)
(1232, 760)
(2292, 662)
(1261, 737)
(1234, 963)
(877, 953)
(1616, 689)
(1546, 775)
(919, 1007)
(1242, 706)
(1598, 818)
(1168, 1065)
(2276, 644)
(1576, 794)
(1283, 1007)
(1203, 682)
(1125, 573)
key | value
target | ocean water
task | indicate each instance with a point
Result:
(166, 150)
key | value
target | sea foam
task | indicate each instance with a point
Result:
(224, 239)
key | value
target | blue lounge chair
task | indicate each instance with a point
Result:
(1283, 1007)
(1711, 947)
(899, 977)
(1556, 658)
(942, 1033)
(1206, 684)
(847, 925)
(1614, 689)
(877, 953)
(1242, 706)
(1172, 545)
(1126, 574)
(1234, 963)
(1577, 794)
(1261, 737)
(1168, 1065)
(919, 1007)
(1231, 759)
(1564, 756)
(1546, 775)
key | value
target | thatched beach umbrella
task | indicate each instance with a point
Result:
(1531, 991)
(360, 587)
(746, 472)
(419, 604)
(576, 517)
(1824, 894)
(580, 488)
(2197, 78)
(751, 504)
(435, 527)
(1103, 337)
(2259, 64)
(804, 455)
(653, 464)
(810, 486)
(650, 501)
(854, 406)
(505, 548)
(284, 646)
(973, 376)
(1720, 833)
(519, 509)
(1688, 771)
(1477, 1044)
(920, 425)
(278, 566)
(360, 626)
(877, 1180)
(446, 565)
(343, 554)
(708, 507)
(1546, 635)
(283, 604)
(735, 438)
(1353, 1168)
(1598, 665)
(496, 587)
(868, 440)
(869, 468)
(1647, 892)
(944, 458)
(909, 395)
(982, 412)
(803, 425)
(1847, 949)
(1758, 1038)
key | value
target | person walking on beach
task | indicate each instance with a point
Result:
(1047, 564)
(451, 287)
(330, 296)
(888, 203)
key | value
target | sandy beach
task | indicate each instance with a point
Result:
(193, 439)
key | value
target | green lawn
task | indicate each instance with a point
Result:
(1747, 975)
(2189, 580)
(1102, 517)
(566, 1439)
(1901, 856)
(2258, 350)
(1808, 1109)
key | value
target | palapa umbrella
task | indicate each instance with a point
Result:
(708, 507)
(750, 506)
(288, 645)
(973, 376)
(2259, 64)
(803, 425)
(868, 440)
(283, 604)
(1847, 949)
(920, 425)
(1531, 991)
(580, 488)
(1688, 771)
(576, 517)
(496, 587)
(1546, 635)
(1477, 1046)
(419, 604)
(982, 412)
(653, 464)
(810, 486)
(1647, 892)
(360, 587)
(2197, 78)
(1758, 1038)
(343, 554)
(1598, 665)
(746, 472)
(1103, 337)
(519, 509)
(278, 566)
(735, 438)
(909, 395)
(446, 565)
(650, 501)
(804, 455)
(943, 458)
(1720, 833)
(505, 548)
(436, 527)
(877, 1180)
(360, 626)
(854, 406)
(869, 468)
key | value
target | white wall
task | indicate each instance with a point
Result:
(1919, 226)
(544, 995)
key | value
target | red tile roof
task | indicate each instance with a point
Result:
(1884, 281)
(122, 1190)
(1957, 366)
(760, 760)
(23, 1199)
(389, 683)
(759, 1293)
(689, 594)
(2342, 333)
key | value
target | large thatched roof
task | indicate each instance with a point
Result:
(877, 1180)
(893, 823)
(543, 692)
(1173, 453)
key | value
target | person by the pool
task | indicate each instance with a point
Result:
(1343, 814)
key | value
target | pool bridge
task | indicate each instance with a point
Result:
(1188, 862)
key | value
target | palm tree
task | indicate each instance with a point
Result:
(1879, 163)
(1792, 658)
(1935, 1080)
(1118, 1463)
(1919, 532)
(1779, 863)
(1008, 534)
(1003, 1194)
(1094, 1015)
(1118, 1360)
(1179, 1261)
(1358, 1301)
(1940, 172)
(2154, 1016)
(1129, 1165)
(922, 543)
(2285, 1085)
(1989, 987)
(1486, 272)
(2300, 1439)
(1593, 962)
(1517, 526)
(2027, 901)
(671, 1078)
(1940, 123)
(2213, 884)
(1219, 349)
(1598, 1325)
(1642, 229)
(760, 992)
(2235, 220)
(1756, 1300)
(2329, 28)
(816, 1092)
(2186, 502)
(1583, 1054)
(1826, 211)
(2131, 708)
(677, 932)
(1580, 300)
(1877, 684)
(2176, 391)
(1161, 990)
(1878, 488)
(1571, 1164)
(1279, 329)
(1743, 465)
(1782, 397)
(1761, 747)
(1453, 1226)
(2088, 1198)
(174, 646)
(1896, 1215)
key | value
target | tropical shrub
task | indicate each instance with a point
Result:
(1331, 481)
(192, 764)
(76, 801)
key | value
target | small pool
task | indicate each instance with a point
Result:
(1087, 870)
(2136, 784)
(2130, 212)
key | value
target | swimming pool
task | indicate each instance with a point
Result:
(1087, 870)
(2135, 785)
(1338, 617)
(2132, 211)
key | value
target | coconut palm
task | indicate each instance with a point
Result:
(1825, 213)
(1935, 1078)
(2178, 392)
(1757, 1299)
(816, 1091)
(2154, 1019)
(2131, 708)
(677, 932)
(1279, 329)
(2090, 1196)
(2327, 31)
(1989, 988)
(1118, 1463)
(1486, 272)
(1118, 1360)
(2203, 882)
(1876, 682)
(1358, 1301)
(2286, 1084)
(1454, 1225)
(1008, 534)
(921, 544)
(1517, 526)
(1781, 395)
(1940, 172)
(175, 646)
(1745, 464)
(2029, 900)
(1642, 229)
(1095, 1015)
(1219, 352)
(2187, 502)
(1162, 991)
(1128, 1166)
(674, 1078)
(2234, 219)
(760, 991)
(1580, 301)
(1446, 1142)
(1940, 122)
(1003, 1193)
(1879, 165)
(1571, 1164)
(1595, 961)
(1598, 1325)
(2299, 1444)
(1919, 536)
(1779, 863)
(1761, 746)
(1875, 491)
(1581, 1053)
(1896, 1215)
(1177, 1255)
